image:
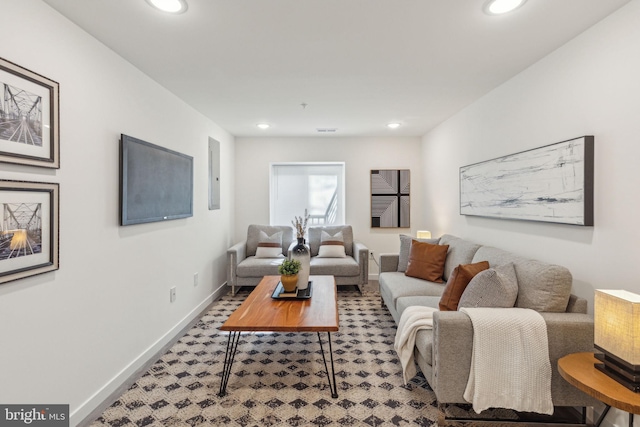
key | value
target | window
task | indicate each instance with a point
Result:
(317, 187)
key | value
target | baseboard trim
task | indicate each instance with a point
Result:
(373, 277)
(93, 407)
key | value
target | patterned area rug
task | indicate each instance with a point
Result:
(278, 379)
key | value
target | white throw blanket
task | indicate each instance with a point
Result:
(510, 365)
(413, 319)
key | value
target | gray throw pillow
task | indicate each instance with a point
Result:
(495, 287)
(405, 249)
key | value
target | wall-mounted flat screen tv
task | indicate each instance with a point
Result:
(156, 184)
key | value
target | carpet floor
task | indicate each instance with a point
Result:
(278, 379)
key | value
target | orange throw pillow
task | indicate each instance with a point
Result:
(458, 282)
(426, 261)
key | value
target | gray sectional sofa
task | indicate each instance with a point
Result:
(444, 353)
(245, 269)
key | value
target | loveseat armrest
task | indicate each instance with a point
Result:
(361, 256)
(235, 255)
(389, 262)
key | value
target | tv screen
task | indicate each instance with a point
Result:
(156, 184)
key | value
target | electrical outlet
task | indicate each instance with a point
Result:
(172, 294)
(195, 279)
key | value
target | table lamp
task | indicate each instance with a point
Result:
(423, 234)
(617, 335)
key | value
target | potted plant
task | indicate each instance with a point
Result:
(289, 274)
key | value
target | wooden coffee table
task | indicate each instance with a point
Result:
(260, 312)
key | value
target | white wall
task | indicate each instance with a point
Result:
(590, 86)
(361, 155)
(73, 335)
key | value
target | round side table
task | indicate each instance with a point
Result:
(579, 370)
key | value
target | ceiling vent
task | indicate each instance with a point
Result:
(326, 130)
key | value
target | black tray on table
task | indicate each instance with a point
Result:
(279, 292)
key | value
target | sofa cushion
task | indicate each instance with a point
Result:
(460, 252)
(458, 282)
(495, 287)
(315, 233)
(256, 267)
(426, 261)
(405, 248)
(269, 246)
(541, 286)
(253, 236)
(424, 337)
(397, 285)
(334, 266)
(331, 246)
(428, 301)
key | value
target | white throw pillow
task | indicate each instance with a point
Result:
(269, 246)
(331, 246)
(331, 251)
(262, 252)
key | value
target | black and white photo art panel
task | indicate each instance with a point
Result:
(390, 198)
(29, 117)
(553, 183)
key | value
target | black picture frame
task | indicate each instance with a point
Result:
(29, 117)
(29, 232)
(553, 183)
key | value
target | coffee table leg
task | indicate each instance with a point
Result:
(333, 387)
(232, 346)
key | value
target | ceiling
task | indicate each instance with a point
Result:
(356, 64)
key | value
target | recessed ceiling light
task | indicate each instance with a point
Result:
(393, 125)
(263, 125)
(169, 6)
(498, 7)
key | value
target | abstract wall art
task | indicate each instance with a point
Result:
(390, 198)
(553, 183)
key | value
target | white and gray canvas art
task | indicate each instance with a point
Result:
(553, 183)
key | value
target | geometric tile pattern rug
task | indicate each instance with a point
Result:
(278, 379)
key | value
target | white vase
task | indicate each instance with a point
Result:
(302, 253)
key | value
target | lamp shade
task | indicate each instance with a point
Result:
(423, 234)
(617, 324)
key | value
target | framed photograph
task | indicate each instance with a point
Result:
(29, 117)
(390, 198)
(553, 183)
(29, 229)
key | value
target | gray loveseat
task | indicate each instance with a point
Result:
(245, 269)
(444, 353)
